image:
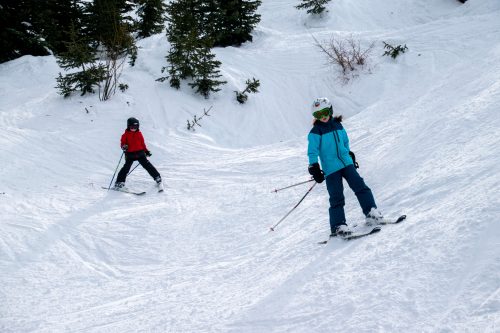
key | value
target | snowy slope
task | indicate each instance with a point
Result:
(199, 258)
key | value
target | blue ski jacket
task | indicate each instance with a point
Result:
(329, 141)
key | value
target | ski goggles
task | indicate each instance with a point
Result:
(134, 126)
(321, 113)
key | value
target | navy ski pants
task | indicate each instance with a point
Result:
(336, 190)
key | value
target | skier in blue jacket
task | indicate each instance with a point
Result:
(328, 140)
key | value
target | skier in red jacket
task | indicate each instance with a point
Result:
(132, 143)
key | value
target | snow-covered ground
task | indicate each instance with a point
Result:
(200, 257)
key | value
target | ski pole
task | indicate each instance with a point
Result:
(298, 203)
(133, 169)
(284, 188)
(116, 170)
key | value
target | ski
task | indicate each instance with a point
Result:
(124, 191)
(355, 235)
(387, 221)
(398, 220)
(360, 235)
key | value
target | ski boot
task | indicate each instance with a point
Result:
(374, 217)
(341, 230)
(159, 184)
(120, 186)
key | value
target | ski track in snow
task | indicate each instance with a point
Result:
(199, 257)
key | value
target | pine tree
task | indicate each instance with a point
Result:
(313, 6)
(107, 22)
(79, 55)
(248, 20)
(18, 35)
(54, 19)
(233, 21)
(151, 17)
(183, 16)
(206, 69)
(189, 55)
(43, 25)
(252, 87)
(182, 32)
(209, 23)
(182, 52)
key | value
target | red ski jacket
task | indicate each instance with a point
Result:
(134, 141)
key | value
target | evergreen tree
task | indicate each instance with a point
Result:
(189, 55)
(252, 87)
(233, 21)
(107, 23)
(151, 17)
(181, 55)
(206, 68)
(313, 6)
(182, 33)
(18, 35)
(54, 19)
(79, 55)
(209, 20)
(38, 26)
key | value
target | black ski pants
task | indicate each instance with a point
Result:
(136, 156)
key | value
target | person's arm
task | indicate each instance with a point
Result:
(123, 142)
(346, 140)
(141, 137)
(351, 154)
(313, 147)
(313, 152)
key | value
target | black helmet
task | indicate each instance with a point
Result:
(132, 122)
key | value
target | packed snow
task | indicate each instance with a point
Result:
(200, 257)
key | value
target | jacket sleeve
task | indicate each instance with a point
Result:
(313, 147)
(143, 142)
(123, 140)
(346, 140)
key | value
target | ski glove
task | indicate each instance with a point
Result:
(316, 172)
(124, 147)
(356, 165)
(148, 153)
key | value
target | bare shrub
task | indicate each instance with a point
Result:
(118, 46)
(345, 53)
(195, 122)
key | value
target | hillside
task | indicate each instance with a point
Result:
(199, 257)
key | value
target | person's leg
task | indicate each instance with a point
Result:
(336, 191)
(149, 167)
(122, 175)
(362, 192)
